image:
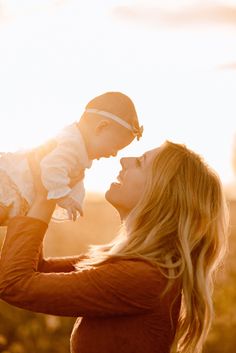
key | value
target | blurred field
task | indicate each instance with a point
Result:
(222, 338)
(25, 332)
(98, 226)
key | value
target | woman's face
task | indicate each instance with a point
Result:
(127, 191)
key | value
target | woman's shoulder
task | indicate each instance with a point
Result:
(135, 272)
(145, 281)
(134, 279)
(135, 265)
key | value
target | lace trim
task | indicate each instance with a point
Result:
(11, 196)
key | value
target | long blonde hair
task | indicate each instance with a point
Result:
(181, 225)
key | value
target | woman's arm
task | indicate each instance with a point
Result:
(57, 264)
(110, 289)
(123, 288)
(42, 209)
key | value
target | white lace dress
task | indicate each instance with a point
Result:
(57, 167)
(16, 184)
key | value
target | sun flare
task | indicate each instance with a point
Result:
(181, 76)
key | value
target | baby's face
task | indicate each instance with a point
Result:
(109, 140)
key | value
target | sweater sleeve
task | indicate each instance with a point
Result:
(57, 264)
(121, 288)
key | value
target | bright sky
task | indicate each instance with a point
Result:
(175, 59)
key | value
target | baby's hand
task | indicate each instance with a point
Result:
(72, 206)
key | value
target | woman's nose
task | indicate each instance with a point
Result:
(122, 162)
(125, 161)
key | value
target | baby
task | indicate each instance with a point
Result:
(108, 124)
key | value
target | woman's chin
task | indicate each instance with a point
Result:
(111, 195)
(108, 194)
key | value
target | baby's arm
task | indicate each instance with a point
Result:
(74, 201)
(57, 168)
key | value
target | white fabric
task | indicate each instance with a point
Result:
(110, 116)
(15, 165)
(69, 157)
(10, 197)
(63, 162)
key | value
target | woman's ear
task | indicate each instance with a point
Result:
(102, 124)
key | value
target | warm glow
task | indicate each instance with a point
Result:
(57, 55)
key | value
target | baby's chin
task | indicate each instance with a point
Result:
(104, 156)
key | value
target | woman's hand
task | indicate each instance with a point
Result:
(43, 208)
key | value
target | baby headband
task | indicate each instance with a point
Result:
(136, 131)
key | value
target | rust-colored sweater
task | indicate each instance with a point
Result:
(119, 303)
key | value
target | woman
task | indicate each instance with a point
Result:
(150, 290)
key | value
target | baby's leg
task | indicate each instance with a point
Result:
(3, 213)
(12, 202)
